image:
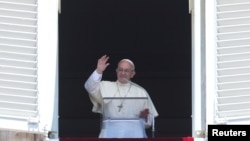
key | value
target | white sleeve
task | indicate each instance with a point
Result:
(92, 85)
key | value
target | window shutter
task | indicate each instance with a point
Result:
(233, 60)
(18, 59)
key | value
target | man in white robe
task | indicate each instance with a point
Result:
(126, 107)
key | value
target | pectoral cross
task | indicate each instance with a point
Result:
(120, 107)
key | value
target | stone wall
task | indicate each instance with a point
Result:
(6, 135)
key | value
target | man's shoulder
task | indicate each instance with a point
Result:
(137, 86)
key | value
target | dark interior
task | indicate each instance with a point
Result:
(155, 34)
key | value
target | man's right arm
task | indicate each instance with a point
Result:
(92, 85)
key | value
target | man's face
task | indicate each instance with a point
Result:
(124, 71)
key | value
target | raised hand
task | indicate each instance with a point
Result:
(102, 64)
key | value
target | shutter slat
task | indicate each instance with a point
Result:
(234, 85)
(233, 28)
(15, 113)
(234, 106)
(18, 84)
(233, 7)
(234, 42)
(234, 35)
(234, 21)
(19, 56)
(233, 99)
(233, 64)
(15, 77)
(232, 92)
(18, 35)
(18, 98)
(18, 27)
(18, 63)
(18, 106)
(18, 21)
(233, 14)
(20, 49)
(220, 2)
(18, 13)
(234, 78)
(233, 56)
(233, 49)
(233, 114)
(19, 5)
(18, 70)
(16, 91)
(233, 71)
(16, 42)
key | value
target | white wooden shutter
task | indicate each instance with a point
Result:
(233, 60)
(18, 59)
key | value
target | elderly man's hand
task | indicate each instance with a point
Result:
(102, 64)
(144, 114)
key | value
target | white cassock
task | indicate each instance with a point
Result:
(120, 106)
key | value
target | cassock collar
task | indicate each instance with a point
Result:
(122, 85)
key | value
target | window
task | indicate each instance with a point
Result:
(221, 63)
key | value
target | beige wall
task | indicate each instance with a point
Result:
(6, 135)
